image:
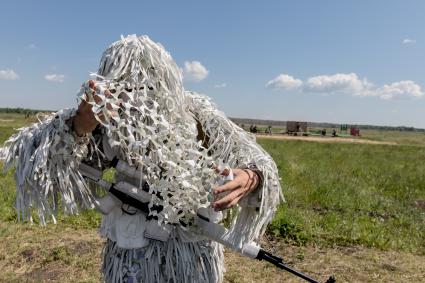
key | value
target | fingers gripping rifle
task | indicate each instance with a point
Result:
(138, 198)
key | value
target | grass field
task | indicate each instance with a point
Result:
(398, 137)
(351, 194)
(353, 210)
(403, 138)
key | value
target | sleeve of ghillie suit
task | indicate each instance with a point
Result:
(233, 146)
(46, 156)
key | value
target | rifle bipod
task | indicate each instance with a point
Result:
(278, 262)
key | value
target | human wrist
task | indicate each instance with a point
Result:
(258, 175)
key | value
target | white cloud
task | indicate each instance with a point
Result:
(337, 83)
(348, 84)
(55, 78)
(32, 46)
(399, 90)
(194, 71)
(408, 41)
(284, 82)
(222, 85)
(8, 75)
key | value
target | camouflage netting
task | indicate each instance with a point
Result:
(146, 113)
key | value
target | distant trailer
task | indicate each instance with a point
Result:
(355, 131)
(295, 128)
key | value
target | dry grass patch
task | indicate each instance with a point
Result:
(61, 254)
(347, 264)
(52, 254)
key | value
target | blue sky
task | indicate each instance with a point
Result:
(329, 61)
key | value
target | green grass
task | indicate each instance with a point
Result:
(403, 138)
(337, 194)
(87, 218)
(15, 120)
(349, 194)
(9, 122)
(5, 133)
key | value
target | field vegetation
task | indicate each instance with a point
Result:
(414, 138)
(351, 194)
(353, 210)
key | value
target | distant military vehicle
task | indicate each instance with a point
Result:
(295, 128)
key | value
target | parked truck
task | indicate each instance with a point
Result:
(295, 128)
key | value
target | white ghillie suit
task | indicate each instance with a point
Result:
(174, 137)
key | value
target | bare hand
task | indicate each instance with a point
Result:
(84, 120)
(244, 182)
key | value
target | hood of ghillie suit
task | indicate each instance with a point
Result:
(145, 114)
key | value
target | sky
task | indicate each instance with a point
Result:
(355, 62)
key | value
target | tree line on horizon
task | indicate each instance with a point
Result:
(247, 121)
(282, 124)
(25, 111)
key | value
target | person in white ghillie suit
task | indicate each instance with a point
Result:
(137, 111)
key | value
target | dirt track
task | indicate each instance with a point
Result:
(324, 139)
